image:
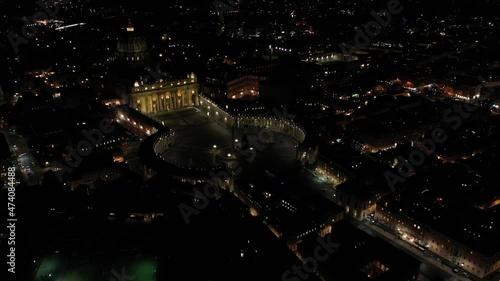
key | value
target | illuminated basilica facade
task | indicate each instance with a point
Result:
(146, 95)
(165, 95)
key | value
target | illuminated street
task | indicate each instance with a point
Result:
(26, 162)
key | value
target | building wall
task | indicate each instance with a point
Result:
(246, 121)
(137, 126)
(216, 112)
(331, 173)
(165, 96)
(359, 208)
(108, 174)
(307, 155)
(272, 123)
(164, 142)
(438, 243)
(374, 144)
(247, 85)
(132, 57)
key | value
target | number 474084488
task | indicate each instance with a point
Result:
(11, 186)
(11, 207)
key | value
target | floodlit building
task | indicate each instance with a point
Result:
(247, 86)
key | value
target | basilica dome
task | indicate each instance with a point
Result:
(131, 48)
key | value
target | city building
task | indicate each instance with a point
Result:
(359, 199)
(464, 236)
(290, 217)
(165, 96)
(247, 86)
(357, 256)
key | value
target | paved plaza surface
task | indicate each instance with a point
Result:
(196, 135)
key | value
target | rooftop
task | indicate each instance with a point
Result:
(361, 257)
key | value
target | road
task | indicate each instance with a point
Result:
(28, 167)
(430, 268)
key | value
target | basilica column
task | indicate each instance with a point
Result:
(196, 99)
(156, 103)
(150, 104)
(178, 99)
(143, 104)
(169, 101)
(160, 102)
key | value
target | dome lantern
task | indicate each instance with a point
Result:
(130, 27)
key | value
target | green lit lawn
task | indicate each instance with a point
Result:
(60, 268)
(50, 268)
(143, 270)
